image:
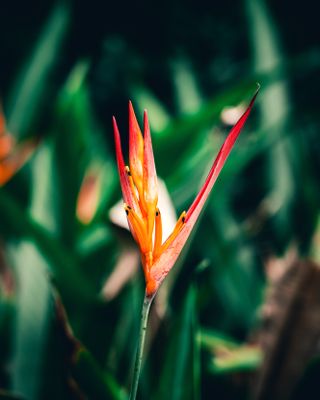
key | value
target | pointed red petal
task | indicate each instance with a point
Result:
(168, 258)
(135, 149)
(124, 182)
(150, 184)
(216, 168)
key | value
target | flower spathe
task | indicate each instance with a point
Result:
(140, 194)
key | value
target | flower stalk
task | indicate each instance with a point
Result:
(139, 354)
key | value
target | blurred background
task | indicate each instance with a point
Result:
(71, 286)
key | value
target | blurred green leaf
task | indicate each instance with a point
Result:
(31, 323)
(159, 116)
(236, 281)
(196, 347)
(29, 91)
(213, 340)
(244, 358)
(15, 222)
(43, 201)
(229, 355)
(274, 107)
(188, 97)
(73, 125)
(7, 318)
(95, 383)
(176, 379)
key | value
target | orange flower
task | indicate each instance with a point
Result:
(140, 193)
(12, 156)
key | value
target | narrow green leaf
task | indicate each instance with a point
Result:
(31, 323)
(43, 208)
(95, 383)
(17, 223)
(244, 358)
(73, 127)
(7, 318)
(30, 88)
(229, 355)
(213, 340)
(176, 379)
(188, 97)
(196, 348)
(274, 107)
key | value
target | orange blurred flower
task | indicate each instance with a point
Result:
(89, 195)
(12, 155)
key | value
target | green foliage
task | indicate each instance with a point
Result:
(75, 69)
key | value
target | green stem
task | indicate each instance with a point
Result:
(142, 334)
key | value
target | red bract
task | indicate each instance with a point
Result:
(140, 194)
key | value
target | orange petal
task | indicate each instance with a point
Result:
(124, 181)
(157, 235)
(167, 259)
(137, 228)
(150, 184)
(175, 232)
(135, 150)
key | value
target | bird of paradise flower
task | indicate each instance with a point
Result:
(138, 182)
